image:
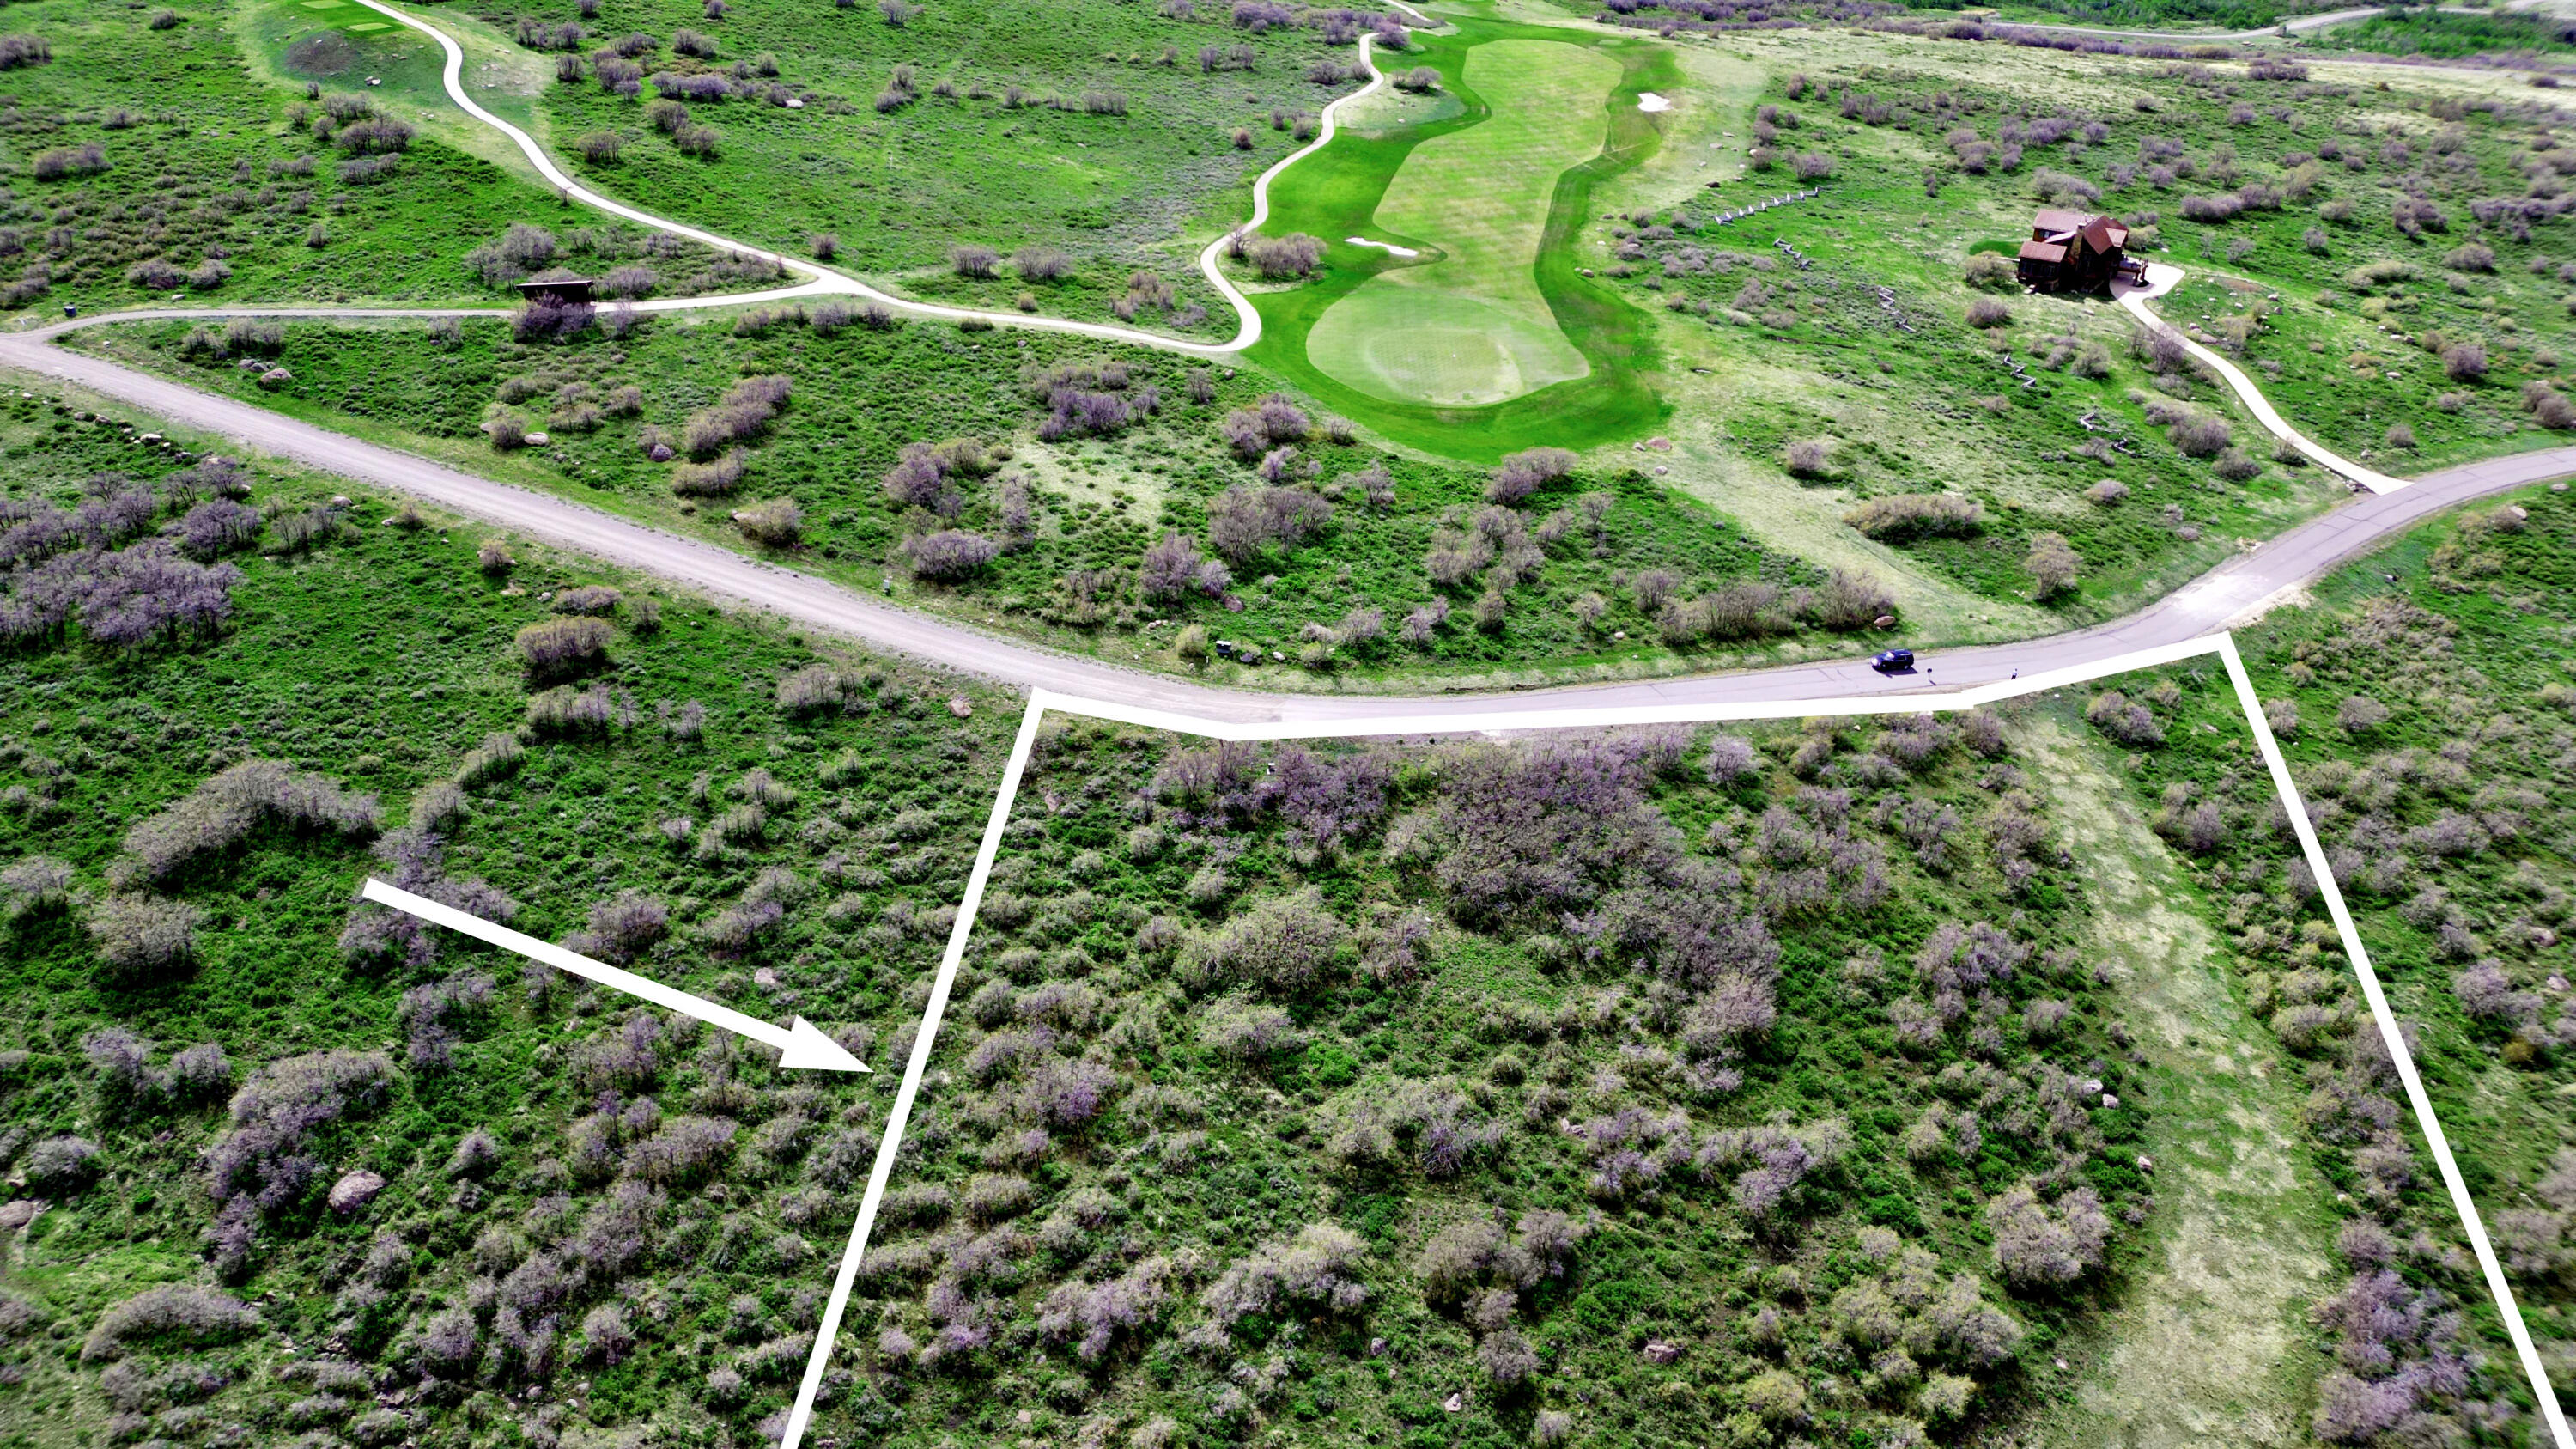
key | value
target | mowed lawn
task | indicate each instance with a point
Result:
(1470, 328)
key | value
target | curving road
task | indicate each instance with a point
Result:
(2226, 593)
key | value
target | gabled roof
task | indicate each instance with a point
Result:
(2040, 251)
(2101, 234)
(2054, 221)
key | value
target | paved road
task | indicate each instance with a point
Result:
(2207, 603)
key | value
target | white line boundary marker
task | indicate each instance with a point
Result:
(2222, 646)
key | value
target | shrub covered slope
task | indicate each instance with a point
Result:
(290, 1170)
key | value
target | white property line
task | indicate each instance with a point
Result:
(830, 1328)
(2162, 279)
(2389, 1033)
(2223, 645)
(822, 280)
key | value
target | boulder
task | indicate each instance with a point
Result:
(1658, 1351)
(355, 1191)
(16, 1215)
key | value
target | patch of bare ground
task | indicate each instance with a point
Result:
(2212, 1345)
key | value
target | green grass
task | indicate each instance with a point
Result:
(1347, 188)
(1536, 1026)
(2442, 35)
(206, 162)
(376, 660)
(1469, 328)
(2492, 702)
(1118, 193)
(1103, 502)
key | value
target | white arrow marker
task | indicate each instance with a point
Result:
(801, 1044)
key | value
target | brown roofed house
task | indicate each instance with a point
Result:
(2071, 252)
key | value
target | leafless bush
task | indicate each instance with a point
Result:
(1245, 520)
(1293, 255)
(34, 885)
(742, 415)
(710, 479)
(64, 161)
(1525, 472)
(176, 1313)
(562, 646)
(2200, 435)
(2036, 1245)
(1850, 599)
(219, 814)
(772, 522)
(950, 554)
(1902, 516)
(1988, 312)
(2129, 723)
(1809, 457)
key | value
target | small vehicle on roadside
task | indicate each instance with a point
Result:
(1888, 661)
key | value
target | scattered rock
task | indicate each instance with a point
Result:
(1658, 1351)
(2146, 1163)
(355, 1191)
(1377, 1348)
(538, 440)
(764, 977)
(1883, 621)
(1454, 1402)
(960, 706)
(2110, 1099)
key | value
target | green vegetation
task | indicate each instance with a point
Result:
(1652, 1088)
(2448, 35)
(2426, 719)
(161, 160)
(1086, 461)
(2367, 243)
(1469, 328)
(1085, 144)
(439, 1166)
(1316, 333)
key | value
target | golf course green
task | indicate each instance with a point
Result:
(1487, 338)
(1471, 327)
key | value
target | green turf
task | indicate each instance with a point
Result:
(1470, 327)
(1341, 191)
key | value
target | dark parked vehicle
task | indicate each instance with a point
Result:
(1889, 661)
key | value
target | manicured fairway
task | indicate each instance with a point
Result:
(1471, 328)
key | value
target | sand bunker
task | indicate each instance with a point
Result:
(1361, 241)
(1652, 102)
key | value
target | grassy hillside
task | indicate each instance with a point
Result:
(2425, 716)
(1309, 536)
(1665, 1087)
(589, 1214)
